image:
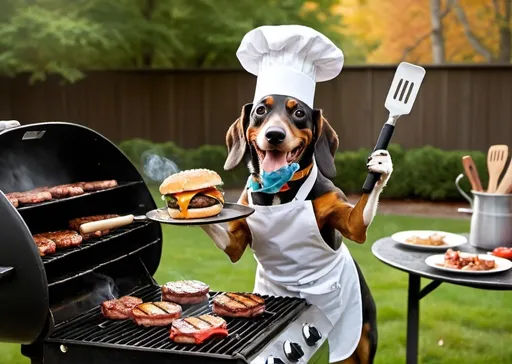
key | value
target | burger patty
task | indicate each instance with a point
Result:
(198, 201)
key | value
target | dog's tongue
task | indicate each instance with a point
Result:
(273, 160)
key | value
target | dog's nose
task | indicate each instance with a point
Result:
(275, 135)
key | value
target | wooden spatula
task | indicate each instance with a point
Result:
(496, 160)
(472, 173)
(506, 182)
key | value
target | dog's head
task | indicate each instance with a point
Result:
(280, 130)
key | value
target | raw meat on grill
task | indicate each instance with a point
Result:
(120, 308)
(185, 292)
(196, 330)
(45, 245)
(238, 305)
(13, 200)
(156, 313)
(27, 198)
(97, 185)
(75, 225)
(63, 238)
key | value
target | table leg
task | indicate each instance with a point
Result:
(413, 317)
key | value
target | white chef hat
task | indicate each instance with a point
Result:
(289, 60)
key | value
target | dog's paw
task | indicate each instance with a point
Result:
(380, 162)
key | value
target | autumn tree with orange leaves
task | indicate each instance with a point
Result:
(433, 31)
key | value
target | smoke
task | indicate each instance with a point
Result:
(156, 167)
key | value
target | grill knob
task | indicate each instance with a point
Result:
(272, 360)
(293, 351)
(311, 334)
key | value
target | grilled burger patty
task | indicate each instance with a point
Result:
(197, 202)
(185, 292)
(195, 330)
(238, 305)
(27, 198)
(121, 308)
(156, 313)
(45, 245)
(62, 238)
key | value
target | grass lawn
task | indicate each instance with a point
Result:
(475, 325)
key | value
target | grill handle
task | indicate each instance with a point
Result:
(108, 224)
(6, 272)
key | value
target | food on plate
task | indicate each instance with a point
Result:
(185, 292)
(13, 200)
(62, 238)
(44, 245)
(238, 305)
(120, 308)
(193, 194)
(503, 252)
(61, 191)
(196, 330)
(97, 185)
(464, 261)
(29, 197)
(435, 239)
(156, 313)
(74, 224)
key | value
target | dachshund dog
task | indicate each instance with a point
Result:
(280, 124)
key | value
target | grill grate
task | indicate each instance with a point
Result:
(120, 185)
(93, 329)
(90, 243)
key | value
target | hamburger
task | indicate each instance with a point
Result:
(193, 194)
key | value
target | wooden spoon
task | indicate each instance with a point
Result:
(506, 182)
(496, 160)
(472, 173)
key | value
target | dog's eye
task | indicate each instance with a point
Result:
(300, 113)
(261, 110)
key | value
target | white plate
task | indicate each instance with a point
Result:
(502, 264)
(451, 240)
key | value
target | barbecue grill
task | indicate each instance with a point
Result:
(51, 304)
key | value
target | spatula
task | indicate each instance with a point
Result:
(401, 96)
(472, 173)
(506, 182)
(496, 160)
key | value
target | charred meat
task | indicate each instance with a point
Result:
(63, 238)
(45, 245)
(196, 330)
(13, 200)
(156, 313)
(96, 185)
(61, 191)
(121, 308)
(28, 198)
(75, 225)
(238, 305)
(185, 292)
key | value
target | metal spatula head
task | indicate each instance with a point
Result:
(404, 89)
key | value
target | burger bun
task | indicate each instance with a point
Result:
(190, 180)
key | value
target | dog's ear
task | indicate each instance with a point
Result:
(235, 139)
(326, 145)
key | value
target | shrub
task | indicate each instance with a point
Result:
(426, 173)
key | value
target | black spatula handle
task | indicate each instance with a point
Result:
(382, 143)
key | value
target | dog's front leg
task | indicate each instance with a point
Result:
(378, 162)
(235, 239)
(352, 221)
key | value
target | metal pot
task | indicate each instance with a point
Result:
(491, 218)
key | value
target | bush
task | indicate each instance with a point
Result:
(425, 173)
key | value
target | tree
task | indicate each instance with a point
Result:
(66, 37)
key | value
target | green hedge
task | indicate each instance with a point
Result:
(425, 173)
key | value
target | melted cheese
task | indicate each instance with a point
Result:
(184, 198)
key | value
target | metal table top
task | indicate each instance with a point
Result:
(412, 261)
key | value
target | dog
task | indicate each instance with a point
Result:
(285, 124)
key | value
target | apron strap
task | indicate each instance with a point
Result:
(308, 183)
(249, 191)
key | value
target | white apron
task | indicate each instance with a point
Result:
(294, 260)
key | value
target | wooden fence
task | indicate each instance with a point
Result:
(459, 107)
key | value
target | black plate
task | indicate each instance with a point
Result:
(231, 211)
